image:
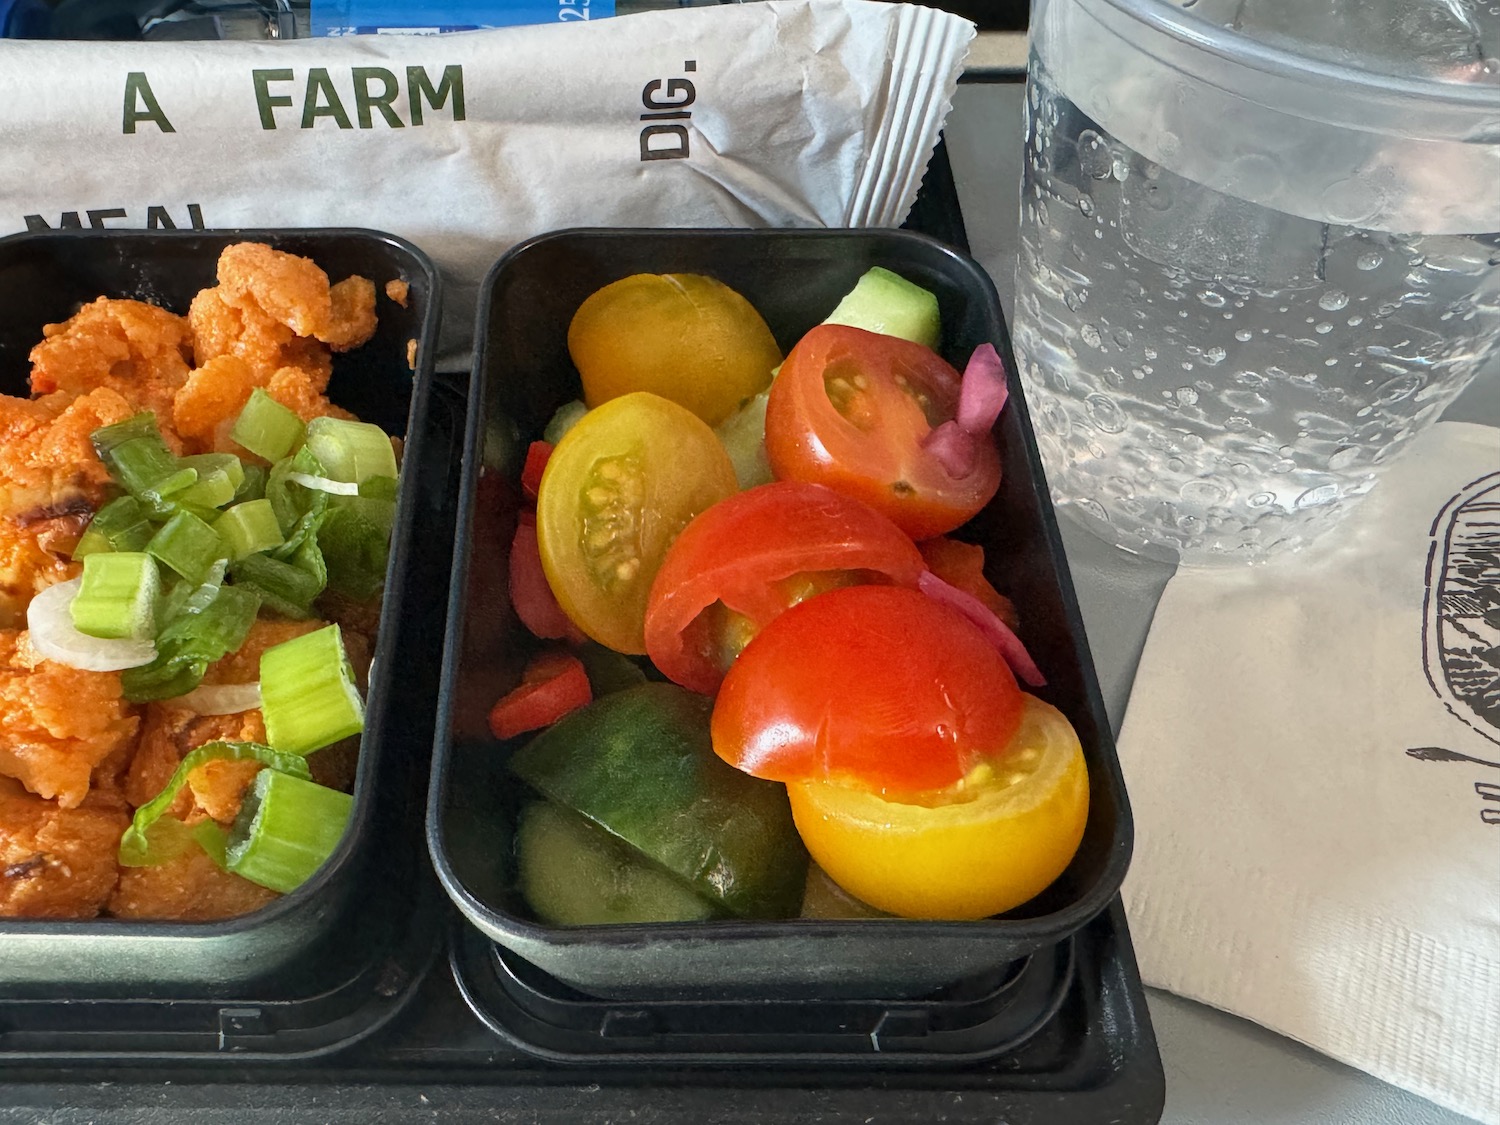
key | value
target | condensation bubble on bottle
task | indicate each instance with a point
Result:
(1333, 300)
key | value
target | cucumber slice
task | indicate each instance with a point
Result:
(640, 764)
(574, 874)
(825, 899)
(885, 302)
(744, 436)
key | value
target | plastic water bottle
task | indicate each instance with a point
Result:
(294, 19)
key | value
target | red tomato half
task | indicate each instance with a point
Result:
(743, 561)
(873, 686)
(851, 409)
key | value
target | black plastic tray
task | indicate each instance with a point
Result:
(522, 374)
(298, 946)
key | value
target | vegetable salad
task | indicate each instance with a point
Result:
(823, 684)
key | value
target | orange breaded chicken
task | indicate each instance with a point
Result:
(56, 862)
(168, 733)
(57, 723)
(294, 292)
(51, 483)
(189, 888)
(135, 349)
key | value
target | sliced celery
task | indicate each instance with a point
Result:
(120, 525)
(351, 451)
(150, 839)
(188, 545)
(118, 596)
(266, 428)
(287, 828)
(308, 697)
(249, 527)
(208, 464)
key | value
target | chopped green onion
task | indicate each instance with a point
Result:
(150, 839)
(308, 697)
(298, 509)
(184, 597)
(351, 451)
(283, 587)
(266, 428)
(120, 525)
(287, 828)
(208, 464)
(219, 478)
(254, 485)
(201, 632)
(325, 484)
(378, 488)
(249, 527)
(355, 542)
(188, 545)
(118, 596)
(211, 837)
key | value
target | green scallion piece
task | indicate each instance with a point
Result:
(307, 692)
(254, 485)
(219, 478)
(282, 586)
(287, 828)
(248, 528)
(120, 525)
(152, 837)
(379, 488)
(211, 623)
(266, 428)
(211, 837)
(355, 543)
(351, 451)
(188, 545)
(118, 595)
(298, 509)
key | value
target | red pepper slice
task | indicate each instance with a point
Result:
(553, 684)
(751, 556)
(537, 454)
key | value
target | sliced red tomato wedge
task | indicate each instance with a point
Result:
(742, 562)
(554, 684)
(878, 687)
(856, 411)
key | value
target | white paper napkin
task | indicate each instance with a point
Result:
(1312, 750)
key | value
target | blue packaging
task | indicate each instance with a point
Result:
(367, 17)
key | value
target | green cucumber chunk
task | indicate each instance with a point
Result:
(640, 764)
(575, 874)
(885, 302)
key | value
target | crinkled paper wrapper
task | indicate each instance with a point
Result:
(786, 113)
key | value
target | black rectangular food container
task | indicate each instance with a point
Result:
(299, 944)
(522, 374)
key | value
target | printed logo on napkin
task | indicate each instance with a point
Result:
(1312, 751)
(1461, 627)
(785, 113)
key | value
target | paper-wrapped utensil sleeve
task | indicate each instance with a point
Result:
(789, 112)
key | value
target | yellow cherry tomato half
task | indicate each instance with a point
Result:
(683, 336)
(980, 847)
(618, 489)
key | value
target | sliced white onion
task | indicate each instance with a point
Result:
(323, 484)
(221, 699)
(50, 622)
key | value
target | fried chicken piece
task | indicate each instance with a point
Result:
(56, 862)
(243, 665)
(291, 387)
(213, 397)
(168, 733)
(249, 333)
(351, 319)
(57, 723)
(188, 888)
(294, 291)
(398, 291)
(51, 483)
(291, 290)
(135, 349)
(26, 569)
